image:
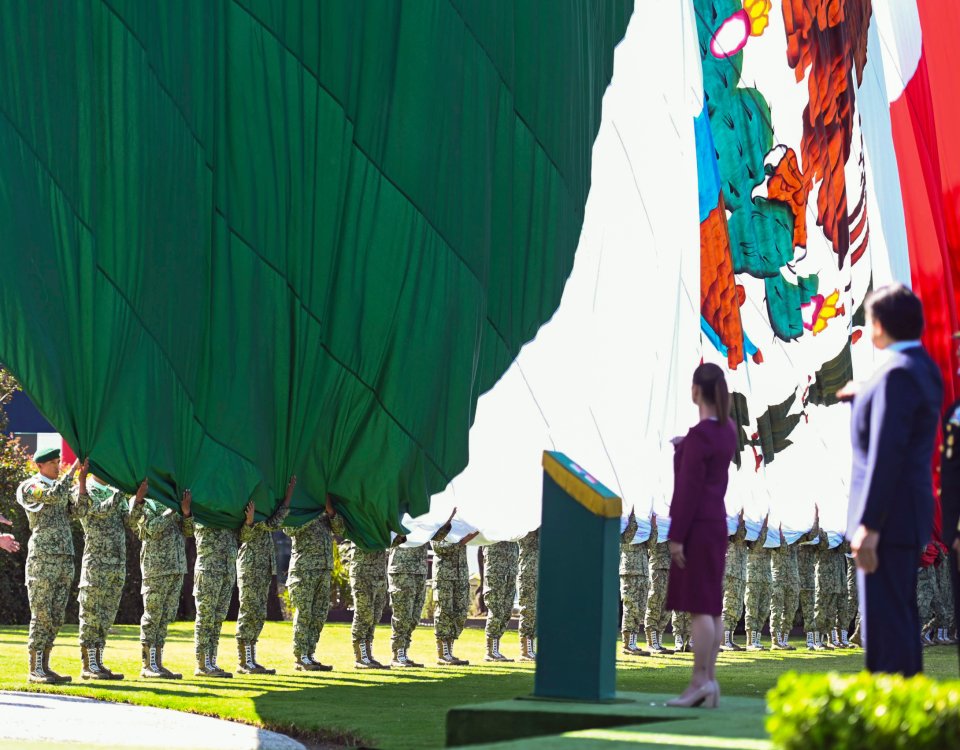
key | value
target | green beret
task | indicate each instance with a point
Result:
(47, 454)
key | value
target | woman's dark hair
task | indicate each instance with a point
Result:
(898, 310)
(713, 385)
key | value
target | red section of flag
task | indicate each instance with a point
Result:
(67, 456)
(918, 161)
(940, 22)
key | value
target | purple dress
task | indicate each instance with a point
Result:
(701, 466)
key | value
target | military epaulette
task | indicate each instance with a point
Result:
(33, 488)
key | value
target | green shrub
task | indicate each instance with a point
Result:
(863, 711)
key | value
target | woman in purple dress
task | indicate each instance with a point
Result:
(698, 531)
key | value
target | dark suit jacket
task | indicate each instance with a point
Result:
(894, 429)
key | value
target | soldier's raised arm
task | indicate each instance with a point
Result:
(80, 506)
(186, 510)
(246, 531)
(275, 521)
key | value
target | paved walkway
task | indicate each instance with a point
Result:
(37, 721)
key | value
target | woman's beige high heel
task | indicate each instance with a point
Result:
(704, 696)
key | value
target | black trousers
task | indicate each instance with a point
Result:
(888, 603)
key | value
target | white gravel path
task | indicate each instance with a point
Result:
(43, 719)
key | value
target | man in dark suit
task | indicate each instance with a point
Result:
(950, 493)
(890, 521)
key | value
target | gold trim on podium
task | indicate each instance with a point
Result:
(596, 503)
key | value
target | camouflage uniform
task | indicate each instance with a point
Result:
(831, 586)
(501, 563)
(926, 593)
(214, 575)
(407, 577)
(368, 583)
(49, 570)
(527, 583)
(256, 566)
(735, 579)
(682, 623)
(807, 566)
(634, 579)
(659, 555)
(945, 598)
(452, 577)
(759, 580)
(163, 564)
(104, 566)
(308, 580)
(785, 594)
(851, 609)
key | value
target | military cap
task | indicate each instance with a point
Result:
(46, 454)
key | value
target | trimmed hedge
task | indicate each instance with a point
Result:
(863, 712)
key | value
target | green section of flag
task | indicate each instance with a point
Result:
(246, 239)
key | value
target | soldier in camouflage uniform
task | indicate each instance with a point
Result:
(926, 593)
(407, 576)
(849, 603)
(853, 600)
(634, 583)
(308, 583)
(163, 564)
(944, 600)
(658, 550)
(757, 593)
(831, 590)
(528, 566)
(807, 565)
(256, 567)
(682, 643)
(407, 580)
(368, 584)
(214, 575)
(501, 564)
(49, 505)
(102, 573)
(452, 577)
(785, 594)
(734, 581)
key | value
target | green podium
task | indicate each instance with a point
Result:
(579, 588)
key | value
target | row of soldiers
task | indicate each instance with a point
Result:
(245, 556)
(770, 576)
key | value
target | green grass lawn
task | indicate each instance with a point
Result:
(385, 709)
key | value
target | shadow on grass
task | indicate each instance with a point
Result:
(401, 710)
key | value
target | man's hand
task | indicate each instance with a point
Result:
(9, 543)
(141, 495)
(249, 511)
(676, 554)
(289, 496)
(849, 391)
(5, 521)
(468, 538)
(864, 549)
(452, 514)
(82, 479)
(329, 509)
(185, 503)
